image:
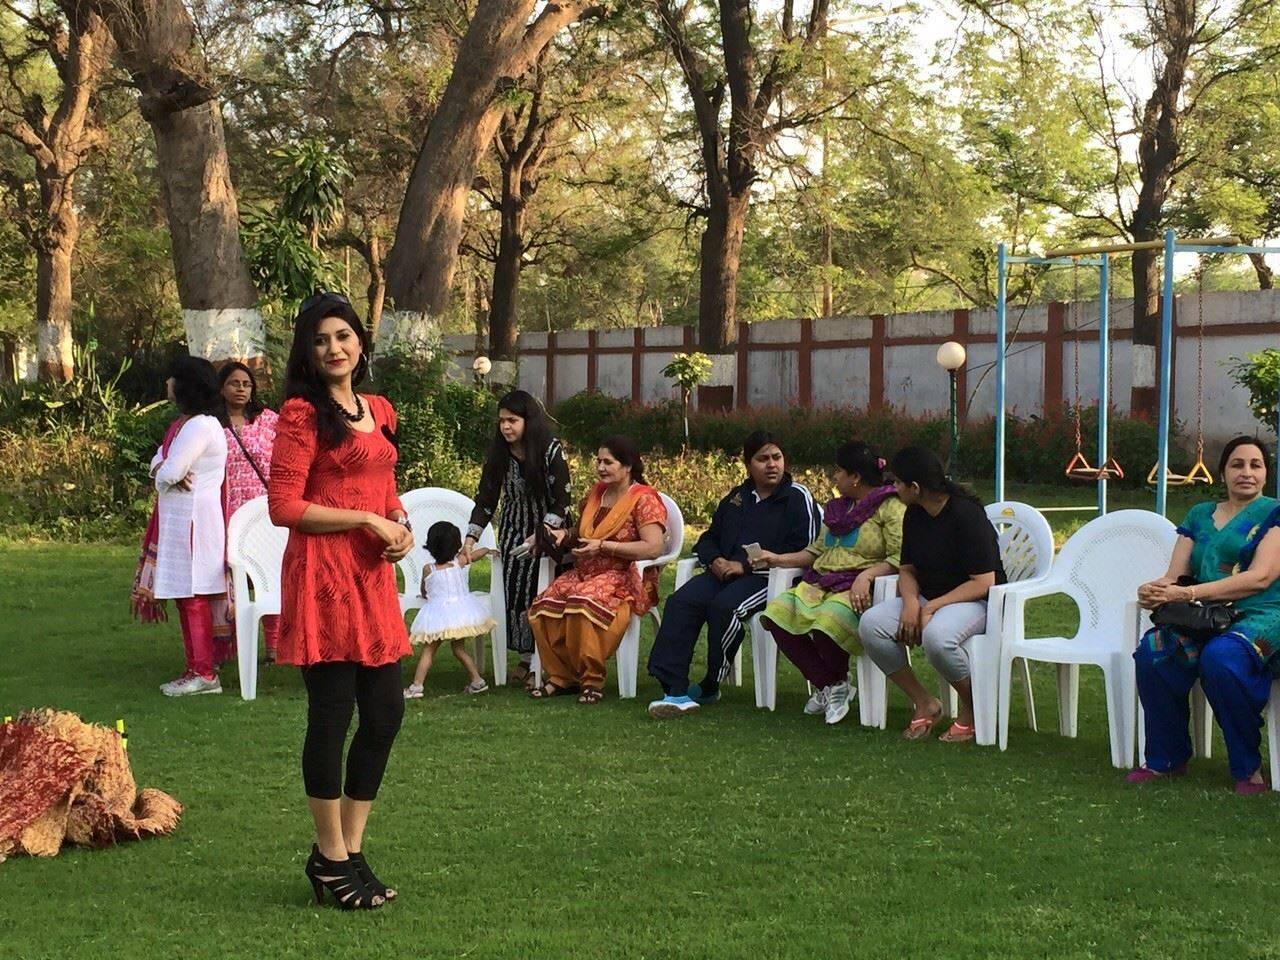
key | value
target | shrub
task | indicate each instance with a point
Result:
(444, 426)
(695, 480)
(1037, 448)
(1259, 373)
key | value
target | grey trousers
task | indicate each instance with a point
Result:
(943, 639)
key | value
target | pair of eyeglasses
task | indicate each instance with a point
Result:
(317, 298)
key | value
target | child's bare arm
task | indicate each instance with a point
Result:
(422, 588)
(478, 553)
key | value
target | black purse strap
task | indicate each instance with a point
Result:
(248, 456)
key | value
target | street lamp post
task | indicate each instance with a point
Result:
(481, 367)
(951, 356)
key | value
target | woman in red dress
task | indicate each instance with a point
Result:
(333, 484)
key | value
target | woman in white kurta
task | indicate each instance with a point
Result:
(191, 550)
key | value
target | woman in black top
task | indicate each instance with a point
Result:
(950, 560)
(526, 472)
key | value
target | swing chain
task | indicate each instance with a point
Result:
(1200, 359)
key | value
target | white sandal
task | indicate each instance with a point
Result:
(413, 691)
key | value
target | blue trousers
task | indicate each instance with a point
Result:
(725, 608)
(1235, 683)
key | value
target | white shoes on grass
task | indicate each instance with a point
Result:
(831, 702)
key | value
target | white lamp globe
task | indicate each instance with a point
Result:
(951, 355)
(482, 366)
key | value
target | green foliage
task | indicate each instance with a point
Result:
(688, 370)
(284, 264)
(444, 426)
(1259, 373)
(313, 180)
(74, 456)
(1037, 449)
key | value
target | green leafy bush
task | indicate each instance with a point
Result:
(444, 426)
(1259, 373)
(1037, 448)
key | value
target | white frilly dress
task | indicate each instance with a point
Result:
(451, 611)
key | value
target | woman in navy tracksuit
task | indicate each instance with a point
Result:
(769, 509)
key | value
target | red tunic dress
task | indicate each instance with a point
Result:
(340, 600)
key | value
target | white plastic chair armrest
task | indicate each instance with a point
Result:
(885, 588)
(684, 571)
(1014, 610)
(782, 579)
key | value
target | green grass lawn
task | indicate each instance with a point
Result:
(518, 829)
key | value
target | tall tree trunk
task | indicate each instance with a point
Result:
(59, 140)
(376, 292)
(720, 253)
(159, 46)
(1144, 394)
(500, 44)
(1266, 276)
(1174, 25)
(504, 320)
(53, 301)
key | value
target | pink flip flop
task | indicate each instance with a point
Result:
(958, 733)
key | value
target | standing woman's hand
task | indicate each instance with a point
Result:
(398, 539)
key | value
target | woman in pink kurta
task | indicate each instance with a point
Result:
(250, 427)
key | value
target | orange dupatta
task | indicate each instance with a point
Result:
(612, 521)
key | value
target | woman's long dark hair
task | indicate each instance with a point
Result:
(195, 386)
(253, 407)
(302, 379)
(535, 441)
(923, 468)
(626, 452)
(856, 457)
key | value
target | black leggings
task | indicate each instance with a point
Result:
(333, 690)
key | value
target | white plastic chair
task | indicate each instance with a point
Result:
(1026, 552)
(628, 656)
(255, 553)
(1100, 568)
(428, 505)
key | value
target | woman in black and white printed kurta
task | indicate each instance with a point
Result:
(525, 482)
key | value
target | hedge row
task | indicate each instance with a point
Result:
(1037, 449)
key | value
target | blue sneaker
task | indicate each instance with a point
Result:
(695, 693)
(673, 707)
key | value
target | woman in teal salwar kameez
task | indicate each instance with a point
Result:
(1231, 550)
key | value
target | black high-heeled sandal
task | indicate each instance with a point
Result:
(342, 880)
(363, 871)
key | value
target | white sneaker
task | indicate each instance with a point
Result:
(413, 691)
(476, 686)
(673, 707)
(817, 704)
(191, 686)
(838, 697)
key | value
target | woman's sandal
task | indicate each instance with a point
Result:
(958, 733)
(363, 871)
(921, 727)
(549, 690)
(340, 878)
(590, 696)
(521, 673)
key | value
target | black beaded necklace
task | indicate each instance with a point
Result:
(342, 411)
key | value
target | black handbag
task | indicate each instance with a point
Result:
(1198, 620)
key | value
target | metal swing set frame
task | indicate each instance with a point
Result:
(1100, 256)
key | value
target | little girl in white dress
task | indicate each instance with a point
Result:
(450, 612)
